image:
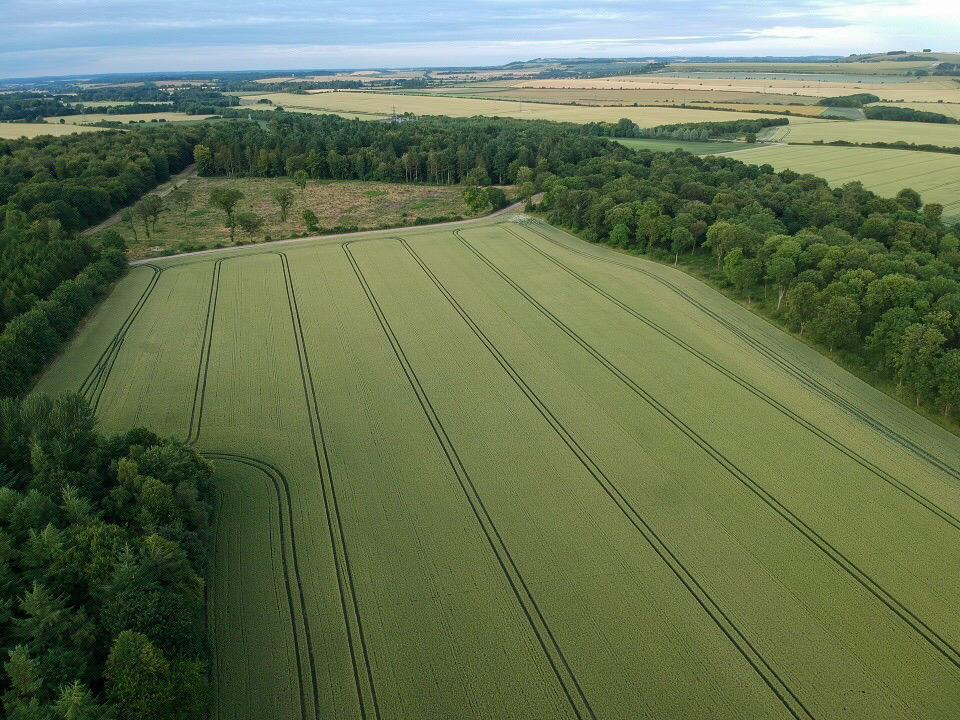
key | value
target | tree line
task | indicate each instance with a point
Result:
(103, 543)
(906, 114)
(29, 107)
(874, 279)
(626, 128)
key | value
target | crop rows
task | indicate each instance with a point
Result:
(481, 475)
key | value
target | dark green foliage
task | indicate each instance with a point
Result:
(626, 128)
(104, 544)
(905, 114)
(28, 107)
(480, 199)
(849, 101)
(32, 338)
(874, 278)
(475, 151)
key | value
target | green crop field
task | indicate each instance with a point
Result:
(500, 473)
(951, 109)
(13, 131)
(936, 176)
(706, 147)
(865, 131)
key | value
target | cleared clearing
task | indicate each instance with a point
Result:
(14, 131)
(366, 105)
(936, 176)
(865, 131)
(340, 206)
(500, 473)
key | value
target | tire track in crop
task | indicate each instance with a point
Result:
(902, 487)
(283, 495)
(567, 679)
(727, 626)
(937, 642)
(95, 382)
(796, 371)
(203, 368)
(281, 488)
(356, 640)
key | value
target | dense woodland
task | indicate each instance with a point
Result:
(103, 547)
(31, 107)
(626, 128)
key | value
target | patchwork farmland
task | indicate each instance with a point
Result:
(367, 105)
(499, 473)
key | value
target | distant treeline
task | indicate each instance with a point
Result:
(947, 69)
(105, 543)
(906, 114)
(599, 68)
(849, 101)
(303, 85)
(626, 128)
(30, 107)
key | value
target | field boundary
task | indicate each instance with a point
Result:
(716, 613)
(564, 673)
(866, 581)
(914, 495)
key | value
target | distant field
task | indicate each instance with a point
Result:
(814, 111)
(921, 90)
(948, 109)
(889, 67)
(367, 105)
(864, 131)
(502, 474)
(936, 176)
(616, 96)
(12, 131)
(109, 103)
(697, 148)
(89, 118)
(343, 204)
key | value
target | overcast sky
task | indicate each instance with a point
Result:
(57, 37)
